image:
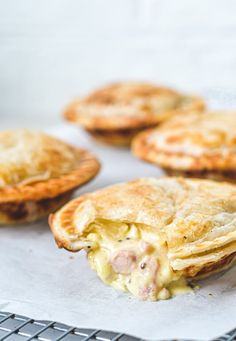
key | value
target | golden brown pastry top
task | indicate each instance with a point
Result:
(29, 157)
(191, 142)
(125, 105)
(197, 218)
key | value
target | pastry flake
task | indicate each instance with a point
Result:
(116, 113)
(150, 236)
(38, 173)
(194, 145)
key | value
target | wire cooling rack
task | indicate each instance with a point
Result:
(20, 328)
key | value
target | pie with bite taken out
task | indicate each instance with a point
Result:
(151, 236)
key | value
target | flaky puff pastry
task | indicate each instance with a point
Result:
(193, 145)
(149, 236)
(116, 113)
(38, 173)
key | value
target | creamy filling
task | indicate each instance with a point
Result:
(133, 258)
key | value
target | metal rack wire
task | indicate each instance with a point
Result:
(20, 328)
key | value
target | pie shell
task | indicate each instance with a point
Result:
(29, 202)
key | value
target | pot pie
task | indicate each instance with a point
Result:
(150, 236)
(38, 174)
(202, 146)
(116, 113)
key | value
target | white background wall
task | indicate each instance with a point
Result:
(53, 50)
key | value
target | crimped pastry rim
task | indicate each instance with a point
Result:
(72, 115)
(64, 217)
(86, 170)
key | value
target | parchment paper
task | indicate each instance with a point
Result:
(43, 282)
